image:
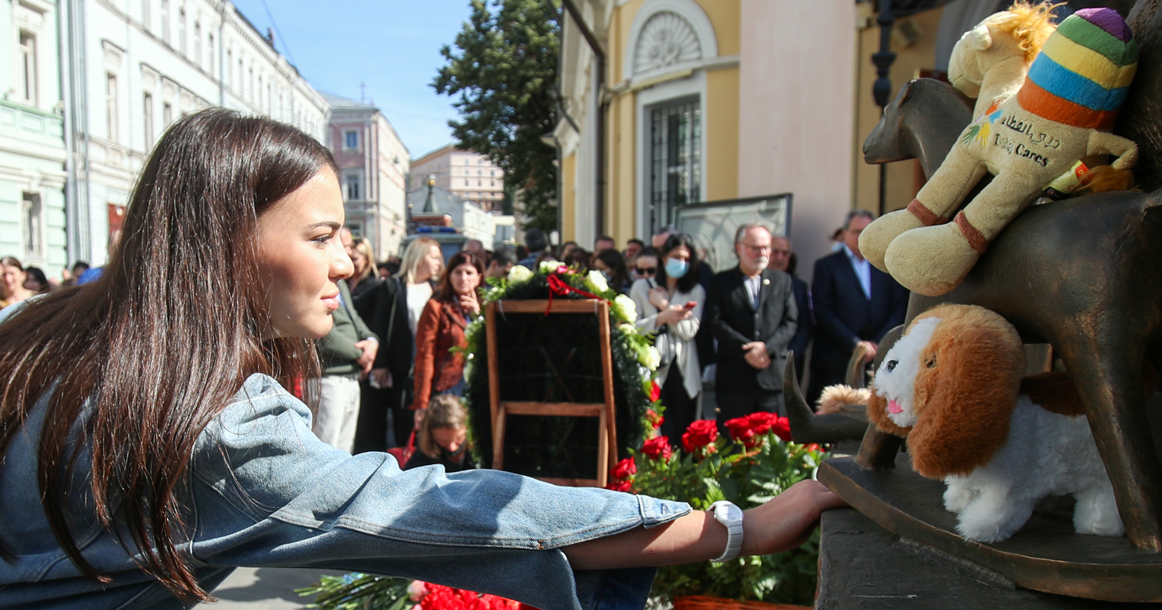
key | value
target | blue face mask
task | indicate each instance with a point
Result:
(676, 268)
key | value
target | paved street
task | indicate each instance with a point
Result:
(264, 589)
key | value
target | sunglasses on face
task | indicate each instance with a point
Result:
(647, 270)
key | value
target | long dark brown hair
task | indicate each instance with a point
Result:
(444, 291)
(160, 343)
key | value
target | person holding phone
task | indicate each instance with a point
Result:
(670, 305)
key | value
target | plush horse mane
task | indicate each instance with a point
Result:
(1030, 24)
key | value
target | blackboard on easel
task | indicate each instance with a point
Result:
(573, 379)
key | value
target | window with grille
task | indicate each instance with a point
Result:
(33, 243)
(675, 159)
(28, 83)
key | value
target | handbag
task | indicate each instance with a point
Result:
(403, 454)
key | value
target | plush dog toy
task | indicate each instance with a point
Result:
(952, 386)
(1061, 113)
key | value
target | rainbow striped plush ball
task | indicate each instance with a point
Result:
(1084, 70)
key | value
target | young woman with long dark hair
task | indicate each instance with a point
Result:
(441, 328)
(671, 306)
(148, 444)
(611, 264)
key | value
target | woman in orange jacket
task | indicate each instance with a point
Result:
(441, 327)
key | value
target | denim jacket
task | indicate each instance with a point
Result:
(263, 491)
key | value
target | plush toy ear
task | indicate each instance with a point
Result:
(978, 38)
(966, 391)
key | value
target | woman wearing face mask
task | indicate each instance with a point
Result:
(441, 328)
(671, 306)
(611, 264)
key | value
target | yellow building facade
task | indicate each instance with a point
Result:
(711, 100)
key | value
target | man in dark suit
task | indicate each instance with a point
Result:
(854, 303)
(751, 311)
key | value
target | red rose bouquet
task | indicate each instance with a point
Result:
(752, 463)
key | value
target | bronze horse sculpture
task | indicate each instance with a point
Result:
(1079, 274)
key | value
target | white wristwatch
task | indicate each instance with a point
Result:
(730, 516)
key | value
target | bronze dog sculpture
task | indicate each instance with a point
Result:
(1079, 274)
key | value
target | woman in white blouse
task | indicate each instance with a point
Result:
(671, 306)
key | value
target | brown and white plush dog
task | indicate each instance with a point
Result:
(952, 386)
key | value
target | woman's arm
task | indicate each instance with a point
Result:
(780, 525)
(647, 314)
(687, 328)
(427, 328)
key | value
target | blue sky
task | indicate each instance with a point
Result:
(391, 45)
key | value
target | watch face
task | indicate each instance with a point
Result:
(730, 512)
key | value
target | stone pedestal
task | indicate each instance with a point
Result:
(865, 567)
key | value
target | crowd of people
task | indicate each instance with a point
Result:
(735, 327)
(392, 350)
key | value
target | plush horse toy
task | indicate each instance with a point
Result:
(952, 386)
(1061, 112)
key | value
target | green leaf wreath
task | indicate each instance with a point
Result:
(556, 359)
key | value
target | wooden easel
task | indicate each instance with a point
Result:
(604, 412)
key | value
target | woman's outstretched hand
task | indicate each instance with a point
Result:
(788, 520)
(779, 525)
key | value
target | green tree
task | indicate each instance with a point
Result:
(503, 67)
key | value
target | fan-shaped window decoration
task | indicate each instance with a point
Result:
(666, 40)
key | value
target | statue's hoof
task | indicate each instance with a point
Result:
(876, 237)
(930, 260)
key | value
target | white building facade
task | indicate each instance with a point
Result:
(32, 136)
(469, 175)
(373, 166)
(135, 67)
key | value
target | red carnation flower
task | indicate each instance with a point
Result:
(624, 469)
(657, 448)
(740, 429)
(655, 391)
(782, 429)
(654, 419)
(619, 486)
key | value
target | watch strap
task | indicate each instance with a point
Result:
(733, 537)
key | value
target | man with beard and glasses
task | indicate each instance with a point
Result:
(751, 311)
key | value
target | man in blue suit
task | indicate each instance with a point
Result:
(853, 303)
